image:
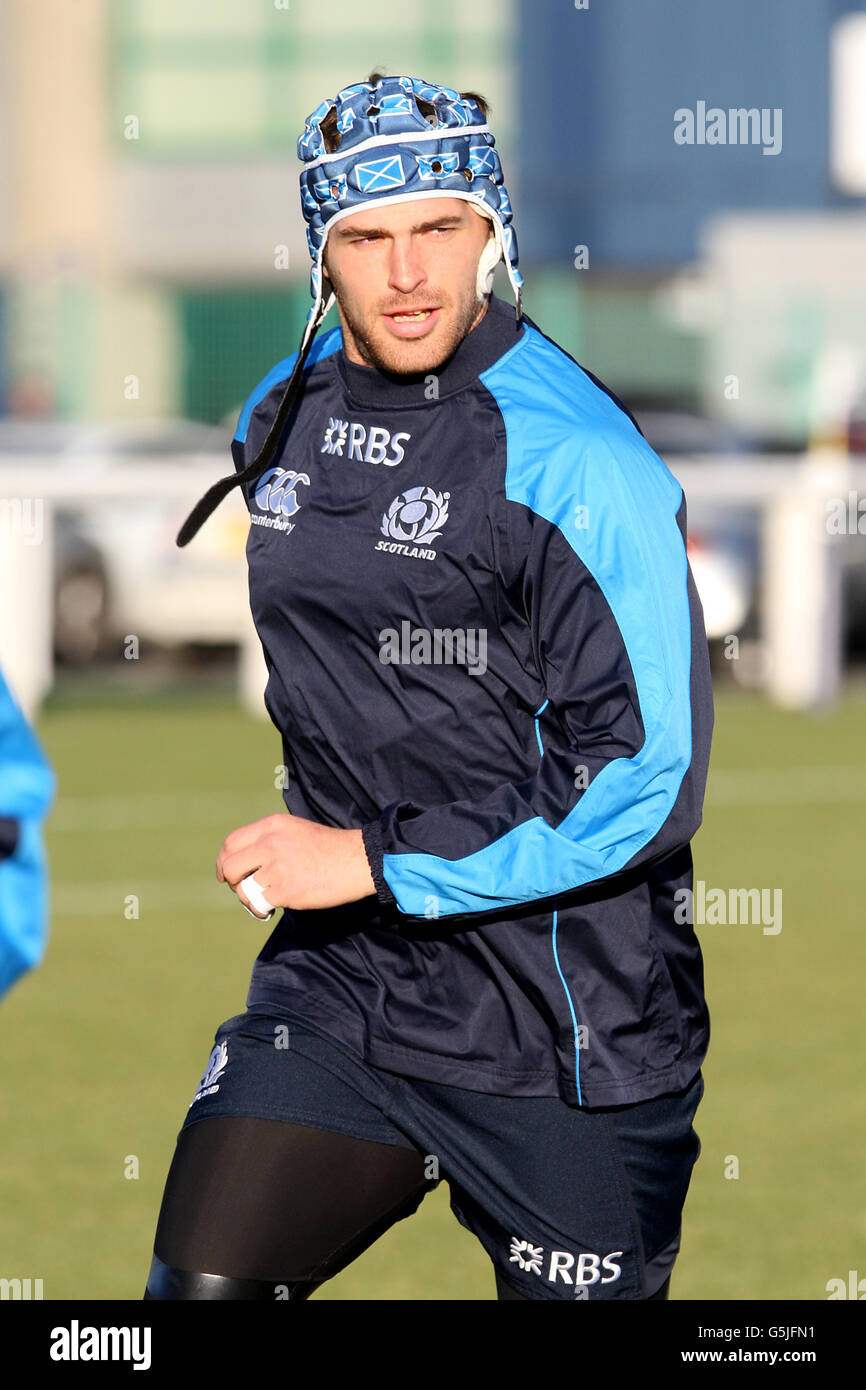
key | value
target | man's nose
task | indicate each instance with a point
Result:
(406, 268)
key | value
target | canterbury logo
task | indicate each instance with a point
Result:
(353, 441)
(276, 491)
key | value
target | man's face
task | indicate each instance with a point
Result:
(384, 261)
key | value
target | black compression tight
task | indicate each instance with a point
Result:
(267, 1210)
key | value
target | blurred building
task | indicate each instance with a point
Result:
(152, 249)
(601, 169)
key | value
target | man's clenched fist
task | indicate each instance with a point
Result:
(297, 863)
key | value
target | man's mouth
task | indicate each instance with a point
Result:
(413, 323)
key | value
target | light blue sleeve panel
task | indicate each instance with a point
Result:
(576, 462)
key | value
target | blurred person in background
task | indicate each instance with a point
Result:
(27, 786)
(479, 972)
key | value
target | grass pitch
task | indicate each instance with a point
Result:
(103, 1044)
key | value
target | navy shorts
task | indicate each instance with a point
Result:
(568, 1202)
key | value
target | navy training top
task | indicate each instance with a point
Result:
(485, 648)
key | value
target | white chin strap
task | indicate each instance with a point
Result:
(489, 258)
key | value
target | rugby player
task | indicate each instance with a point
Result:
(488, 667)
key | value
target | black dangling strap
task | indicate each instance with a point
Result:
(215, 494)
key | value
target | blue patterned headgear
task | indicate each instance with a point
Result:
(402, 138)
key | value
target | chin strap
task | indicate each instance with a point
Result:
(215, 494)
(490, 256)
(493, 253)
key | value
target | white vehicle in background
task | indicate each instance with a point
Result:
(723, 541)
(117, 569)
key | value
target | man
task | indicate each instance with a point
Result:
(487, 662)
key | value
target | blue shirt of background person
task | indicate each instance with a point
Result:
(27, 786)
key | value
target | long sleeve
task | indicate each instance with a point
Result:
(597, 552)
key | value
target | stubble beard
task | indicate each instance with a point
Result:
(409, 358)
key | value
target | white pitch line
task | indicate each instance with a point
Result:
(777, 786)
(108, 898)
(156, 810)
(162, 810)
(727, 787)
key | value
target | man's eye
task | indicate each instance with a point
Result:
(368, 240)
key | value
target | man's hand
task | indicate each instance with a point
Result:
(297, 863)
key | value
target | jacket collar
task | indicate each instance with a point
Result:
(497, 331)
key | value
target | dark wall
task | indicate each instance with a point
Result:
(598, 89)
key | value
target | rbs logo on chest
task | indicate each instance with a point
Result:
(351, 440)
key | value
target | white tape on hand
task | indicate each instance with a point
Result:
(256, 896)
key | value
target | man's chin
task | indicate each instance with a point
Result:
(410, 356)
(392, 353)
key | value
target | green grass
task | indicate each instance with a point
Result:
(103, 1045)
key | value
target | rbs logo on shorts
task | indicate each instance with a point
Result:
(561, 1264)
(587, 1270)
